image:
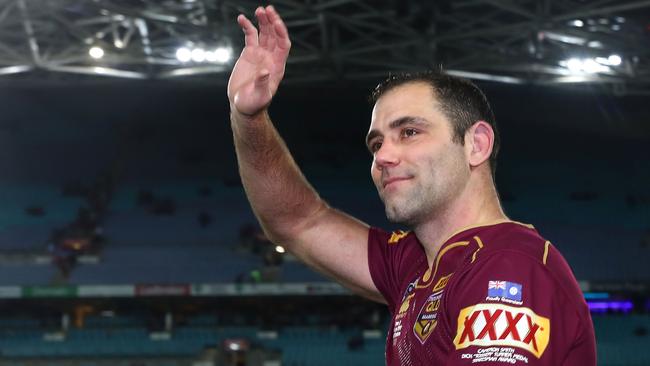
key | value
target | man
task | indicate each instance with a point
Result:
(467, 285)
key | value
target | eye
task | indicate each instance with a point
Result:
(375, 146)
(409, 132)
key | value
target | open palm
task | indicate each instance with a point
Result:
(260, 68)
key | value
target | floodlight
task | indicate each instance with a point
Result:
(590, 66)
(614, 60)
(198, 55)
(577, 23)
(96, 52)
(574, 65)
(183, 54)
(222, 54)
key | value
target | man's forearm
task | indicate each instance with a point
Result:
(279, 194)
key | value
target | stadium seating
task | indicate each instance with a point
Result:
(622, 341)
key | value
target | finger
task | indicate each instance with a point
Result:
(250, 32)
(279, 28)
(263, 22)
(271, 29)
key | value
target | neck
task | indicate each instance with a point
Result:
(474, 207)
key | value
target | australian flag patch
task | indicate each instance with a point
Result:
(504, 291)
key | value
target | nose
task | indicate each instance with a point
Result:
(386, 156)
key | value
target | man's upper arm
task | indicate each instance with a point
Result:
(336, 244)
(507, 309)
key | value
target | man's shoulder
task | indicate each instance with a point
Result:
(523, 240)
(520, 248)
(514, 237)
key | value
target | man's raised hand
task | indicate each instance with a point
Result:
(260, 68)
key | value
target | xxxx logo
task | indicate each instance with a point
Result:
(502, 325)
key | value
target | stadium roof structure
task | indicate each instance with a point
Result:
(543, 42)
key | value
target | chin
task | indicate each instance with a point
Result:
(396, 217)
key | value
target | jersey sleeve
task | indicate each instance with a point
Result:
(387, 259)
(507, 308)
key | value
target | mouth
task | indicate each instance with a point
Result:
(391, 181)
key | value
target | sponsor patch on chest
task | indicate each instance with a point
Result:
(488, 325)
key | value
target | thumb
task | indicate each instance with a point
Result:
(262, 80)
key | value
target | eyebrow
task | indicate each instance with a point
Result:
(406, 120)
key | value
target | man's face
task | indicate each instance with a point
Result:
(417, 168)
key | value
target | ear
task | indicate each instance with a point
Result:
(479, 140)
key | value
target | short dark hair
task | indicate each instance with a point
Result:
(462, 102)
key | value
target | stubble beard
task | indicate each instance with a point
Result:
(429, 195)
(412, 207)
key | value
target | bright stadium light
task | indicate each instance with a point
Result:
(587, 65)
(574, 65)
(614, 60)
(96, 52)
(183, 54)
(577, 23)
(210, 56)
(591, 66)
(220, 55)
(595, 44)
(198, 55)
(223, 54)
(602, 60)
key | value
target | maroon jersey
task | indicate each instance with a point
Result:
(497, 294)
